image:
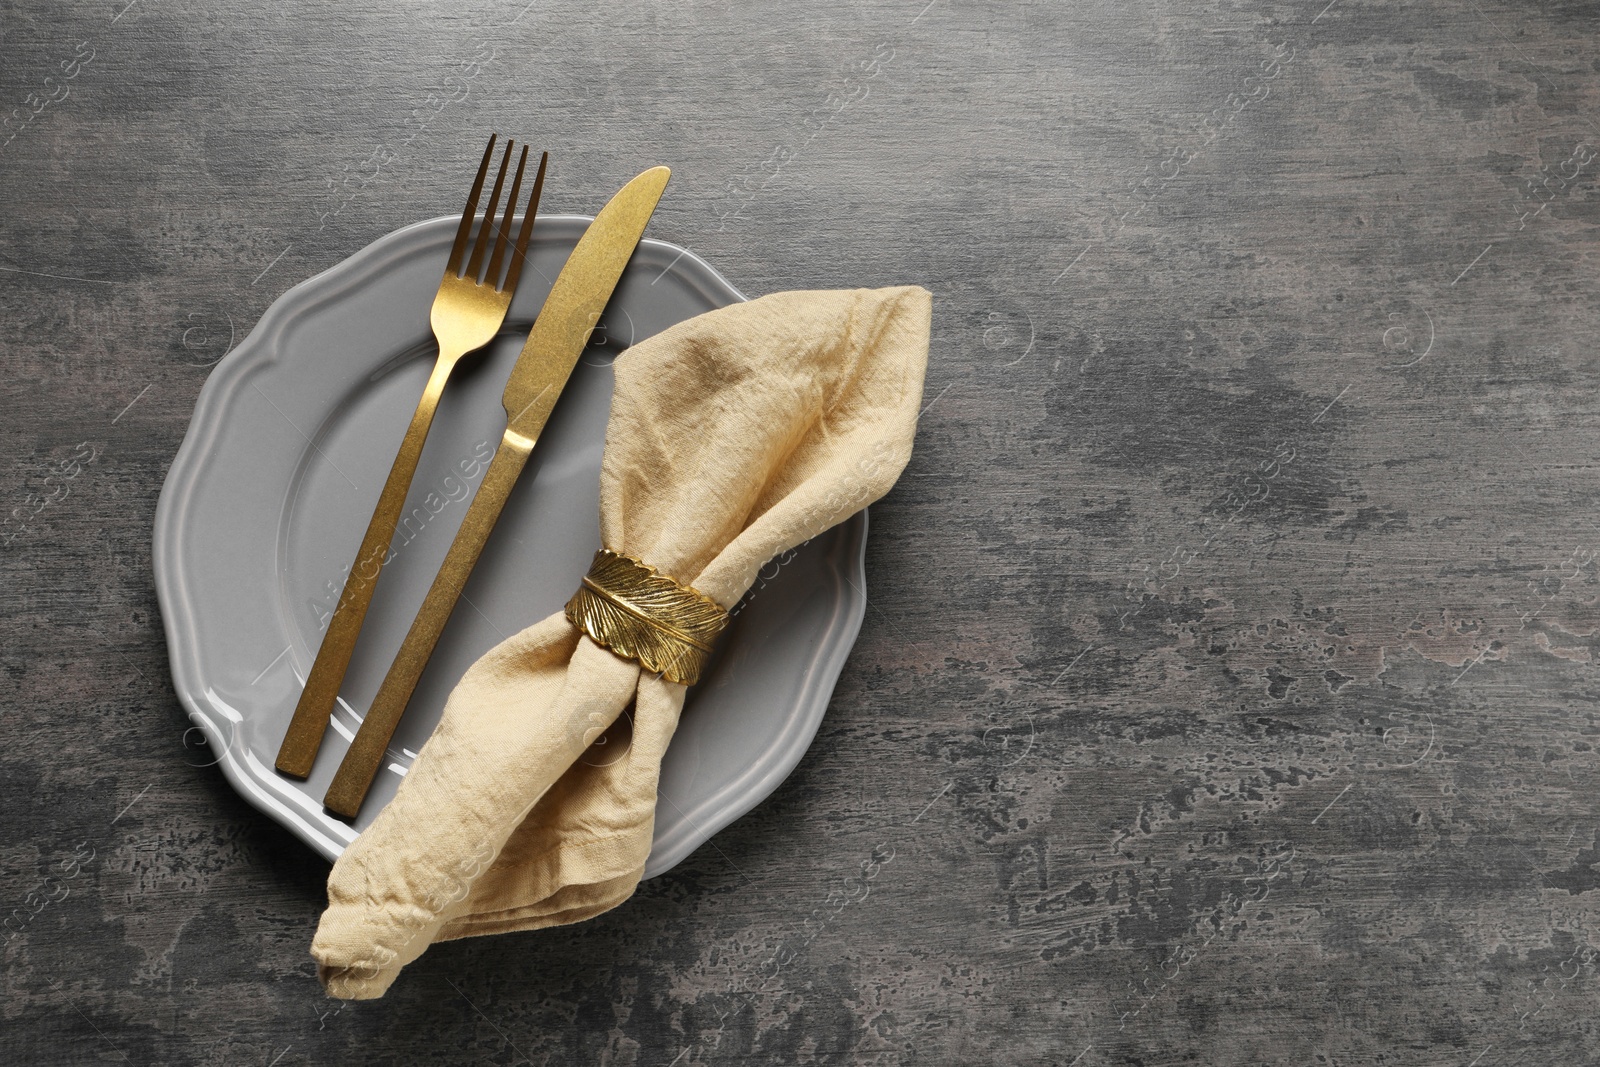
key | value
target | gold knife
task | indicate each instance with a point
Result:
(557, 340)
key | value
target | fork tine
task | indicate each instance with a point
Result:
(488, 215)
(462, 231)
(504, 234)
(514, 271)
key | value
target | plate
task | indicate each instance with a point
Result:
(272, 488)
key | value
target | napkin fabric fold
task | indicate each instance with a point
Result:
(733, 437)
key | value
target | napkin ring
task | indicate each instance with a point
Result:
(624, 605)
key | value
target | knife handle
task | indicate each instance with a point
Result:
(366, 752)
(299, 749)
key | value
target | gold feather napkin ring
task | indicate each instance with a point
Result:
(624, 605)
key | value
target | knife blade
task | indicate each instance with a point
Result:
(554, 344)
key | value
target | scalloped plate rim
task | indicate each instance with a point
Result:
(262, 346)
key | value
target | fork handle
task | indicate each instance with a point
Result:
(299, 749)
(361, 762)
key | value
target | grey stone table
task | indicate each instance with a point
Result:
(1228, 691)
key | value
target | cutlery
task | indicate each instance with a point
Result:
(557, 340)
(467, 313)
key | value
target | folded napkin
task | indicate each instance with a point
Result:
(733, 436)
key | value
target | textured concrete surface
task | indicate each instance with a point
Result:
(1228, 693)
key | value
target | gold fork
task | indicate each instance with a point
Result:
(467, 313)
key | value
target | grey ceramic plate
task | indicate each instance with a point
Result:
(272, 488)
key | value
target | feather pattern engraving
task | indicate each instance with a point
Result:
(626, 606)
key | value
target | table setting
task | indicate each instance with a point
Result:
(752, 430)
(863, 535)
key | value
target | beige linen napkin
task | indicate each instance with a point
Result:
(733, 436)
